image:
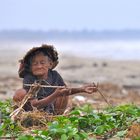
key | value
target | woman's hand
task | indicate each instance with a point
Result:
(90, 88)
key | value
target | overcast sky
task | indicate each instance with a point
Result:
(70, 14)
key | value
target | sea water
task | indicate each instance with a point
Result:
(108, 49)
(121, 50)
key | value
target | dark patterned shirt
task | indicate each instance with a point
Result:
(53, 79)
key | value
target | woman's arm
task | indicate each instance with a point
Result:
(47, 100)
(60, 92)
(87, 89)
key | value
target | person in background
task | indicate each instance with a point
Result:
(37, 67)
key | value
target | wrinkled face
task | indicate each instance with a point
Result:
(40, 65)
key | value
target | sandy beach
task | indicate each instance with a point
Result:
(118, 80)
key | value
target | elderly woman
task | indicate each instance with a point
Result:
(37, 66)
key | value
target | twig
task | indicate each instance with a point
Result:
(11, 138)
(102, 95)
(33, 90)
(48, 86)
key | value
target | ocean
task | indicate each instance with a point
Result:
(119, 50)
(104, 49)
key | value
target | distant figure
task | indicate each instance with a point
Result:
(37, 66)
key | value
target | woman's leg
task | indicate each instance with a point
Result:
(61, 104)
(18, 97)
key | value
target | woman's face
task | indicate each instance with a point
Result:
(40, 65)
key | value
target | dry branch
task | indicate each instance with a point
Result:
(47, 86)
(33, 90)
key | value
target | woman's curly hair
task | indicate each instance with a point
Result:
(47, 50)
